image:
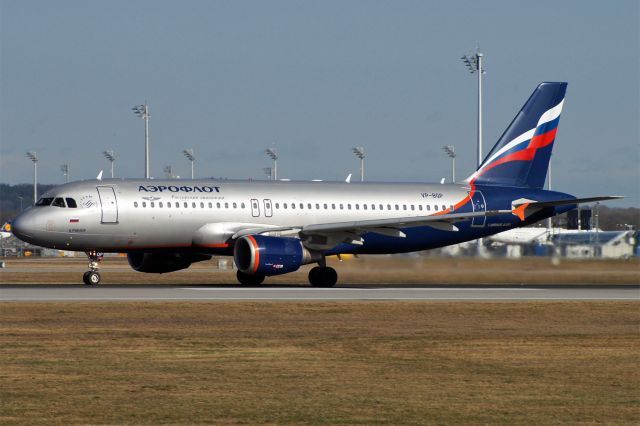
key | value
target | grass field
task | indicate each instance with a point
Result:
(362, 270)
(320, 363)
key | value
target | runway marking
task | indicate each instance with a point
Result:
(333, 289)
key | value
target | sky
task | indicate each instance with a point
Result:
(312, 80)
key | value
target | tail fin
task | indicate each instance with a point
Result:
(521, 156)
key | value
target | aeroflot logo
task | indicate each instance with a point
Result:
(174, 188)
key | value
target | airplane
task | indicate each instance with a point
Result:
(274, 227)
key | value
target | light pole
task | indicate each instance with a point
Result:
(65, 171)
(20, 198)
(111, 157)
(474, 64)
(34, 157)
(271, 152)
(451, 152)
(359, 152)
(189, 154)
(142, 111)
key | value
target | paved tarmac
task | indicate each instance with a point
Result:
(50, 293)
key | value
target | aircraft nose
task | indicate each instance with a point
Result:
(23, 226)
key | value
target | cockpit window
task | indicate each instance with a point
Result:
(44, 202)
(58, 202)
(71, 203)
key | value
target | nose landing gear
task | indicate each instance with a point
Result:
(92, 276)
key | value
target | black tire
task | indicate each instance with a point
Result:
(314, 274)
(246, 279)
(92, 278)
(85, 278)
(323, 277)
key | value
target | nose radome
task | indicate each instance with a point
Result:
(23, 226)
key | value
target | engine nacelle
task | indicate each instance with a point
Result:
(160, 263)
(262, 255)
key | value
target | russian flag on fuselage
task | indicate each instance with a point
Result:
(521, 155)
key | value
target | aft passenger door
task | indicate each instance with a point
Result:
(479, 205)
(108, 204)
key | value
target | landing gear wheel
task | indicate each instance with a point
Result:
(323, 276)
(91, 278)
(246, 279)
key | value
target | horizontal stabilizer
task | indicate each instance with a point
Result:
(526, 208)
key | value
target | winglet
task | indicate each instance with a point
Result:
(520, 210)
(348, 179)
(99, 177)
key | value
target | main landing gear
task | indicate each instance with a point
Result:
(323, 276)
(92, 277)
(249, 280)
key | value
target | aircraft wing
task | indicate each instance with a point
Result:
(525, 208)
(335, 233)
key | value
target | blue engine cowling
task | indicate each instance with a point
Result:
(262, 255)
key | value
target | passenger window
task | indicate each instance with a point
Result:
(152, 204)
(413, 207)
(58, 202)
(373, 206)
(218, 205)
(397, 207)
(325, 206)
(317, 206)
(71, 203)
(388, 206)
(301, 206)
(160, 204)
(364, 206)
(210, 205)
(242, 205)
(193, 205)
(135, 204)
(348, 206)
(404, 207)
(309, 206)
(177, 205)
(168, 204)
(435, 207)
(444, 207)
(186, 205)
(277, 206)
(293, 205)
(428, 208)
(420, 207)
(381, 207)
(284, 205)
(202, 205)
(144, 204)
(357, 206)
(333, 206)
(235, 206)
(341, 206)
(451, 207)
(226, 205)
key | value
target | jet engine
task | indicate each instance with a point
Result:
(263, 255)
(160, 263)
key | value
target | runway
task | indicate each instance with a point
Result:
(115, 293)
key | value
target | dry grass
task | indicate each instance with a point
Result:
(320, 363)
(363, 270)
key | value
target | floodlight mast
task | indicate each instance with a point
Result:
(142, 111)
(359, 152)
(451, 152)
(474, 64)
(109, 155)
(34, 157)
(271, 152)
(65, 171)
(189, 154)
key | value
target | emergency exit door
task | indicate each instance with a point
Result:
(108, 204)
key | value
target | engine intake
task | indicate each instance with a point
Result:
(262, 255)
(160, 263)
